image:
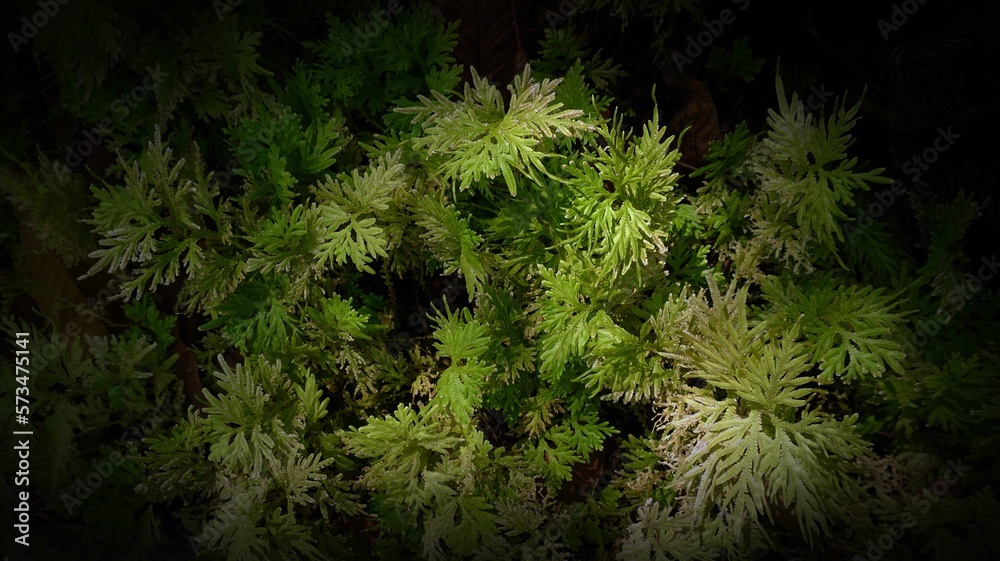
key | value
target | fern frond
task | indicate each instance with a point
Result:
(853, 331)
(348, 211)
(804, 183)
(463, 340)
(452, 241)
(760, 445)
(152, 222)
(624, 198)
(480, 137)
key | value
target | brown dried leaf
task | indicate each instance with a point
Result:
(698, 112)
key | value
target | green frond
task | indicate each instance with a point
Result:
(479, 137)
(788, 196)
(452, 241)
(348, 212)
(567, 443)
(151, 223)
(760, 445)
(852, 331)
(623, 198)
(567, 323)
(459, 388)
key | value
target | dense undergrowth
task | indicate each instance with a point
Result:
(475, 320)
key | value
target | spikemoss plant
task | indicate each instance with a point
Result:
(717, 339)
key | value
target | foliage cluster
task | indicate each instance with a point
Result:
(744, 356)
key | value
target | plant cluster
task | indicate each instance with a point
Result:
(743, 357)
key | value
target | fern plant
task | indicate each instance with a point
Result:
(803, 179)
(759, 447)
(479, 137)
